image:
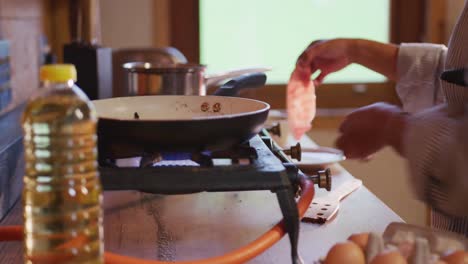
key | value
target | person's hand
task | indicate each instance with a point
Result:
(326, 56)
(370, 128)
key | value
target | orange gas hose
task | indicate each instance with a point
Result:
(241, 255)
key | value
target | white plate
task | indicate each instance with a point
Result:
(320, 156)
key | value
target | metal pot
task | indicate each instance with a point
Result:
(163, 55)
(147, 78)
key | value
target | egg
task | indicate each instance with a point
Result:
(360, 239)
(457, 257)
(346, 252)
(389, 257)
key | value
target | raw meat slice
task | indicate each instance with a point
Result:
(300, 102)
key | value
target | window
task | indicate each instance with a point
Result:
(384, 20)
(274, 32)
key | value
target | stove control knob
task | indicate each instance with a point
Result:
(295, 152)
(275, 130)
(324, 179)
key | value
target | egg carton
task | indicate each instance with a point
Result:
(412, 244)
(440, 242)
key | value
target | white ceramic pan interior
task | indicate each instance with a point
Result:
(174, 107)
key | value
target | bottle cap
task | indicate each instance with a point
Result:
(58, 72)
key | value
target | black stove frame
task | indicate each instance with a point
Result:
(270, 170)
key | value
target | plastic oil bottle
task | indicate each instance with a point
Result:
(62, 193)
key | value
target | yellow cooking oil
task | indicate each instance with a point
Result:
(62, 193)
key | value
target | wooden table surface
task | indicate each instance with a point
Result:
(194, 226)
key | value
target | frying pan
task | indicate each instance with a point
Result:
(132, 126)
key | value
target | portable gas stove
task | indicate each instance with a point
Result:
(259, 164)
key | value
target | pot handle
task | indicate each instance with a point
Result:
(250, 80)
(217, 78)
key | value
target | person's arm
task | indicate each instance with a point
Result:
(436, 147)
(376, 56)
(328, 56)
(435, 144)
(415, 66)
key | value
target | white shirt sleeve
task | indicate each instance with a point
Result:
(419, 66)
(437, 150)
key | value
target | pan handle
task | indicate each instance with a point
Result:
(250, 80)
(217, 78)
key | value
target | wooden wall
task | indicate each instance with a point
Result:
(441, 18)
(22, 22)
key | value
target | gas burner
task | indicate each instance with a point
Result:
(240, 155)
(259, 164)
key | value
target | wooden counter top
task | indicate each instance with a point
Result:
(194, 226)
